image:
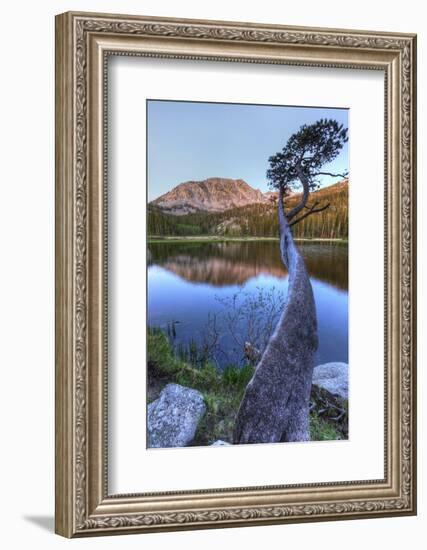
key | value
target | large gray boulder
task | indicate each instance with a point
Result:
(172, 419)
(332, 377)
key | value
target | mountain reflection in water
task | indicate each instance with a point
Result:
(185, 281)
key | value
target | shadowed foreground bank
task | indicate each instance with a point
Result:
(223, 391)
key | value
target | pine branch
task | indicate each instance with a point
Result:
(304, 198)
(311, 210)
(344, 175)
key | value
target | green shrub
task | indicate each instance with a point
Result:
(322, 430)
(237, 377)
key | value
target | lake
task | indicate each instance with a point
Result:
(220, 294)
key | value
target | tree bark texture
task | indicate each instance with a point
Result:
(275, 406)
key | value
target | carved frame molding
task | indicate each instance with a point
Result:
(83, 43)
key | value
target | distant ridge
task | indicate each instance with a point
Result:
(256, 217)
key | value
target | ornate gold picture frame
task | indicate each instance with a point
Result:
(84, 42)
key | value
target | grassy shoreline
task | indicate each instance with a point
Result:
(217, 238)
(223, 392)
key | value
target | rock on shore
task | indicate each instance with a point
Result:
(332, 377)
(172, 419)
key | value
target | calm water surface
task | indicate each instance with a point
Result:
(188, 282)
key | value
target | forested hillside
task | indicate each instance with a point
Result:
(259, 220)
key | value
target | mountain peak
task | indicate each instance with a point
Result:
(214, 194)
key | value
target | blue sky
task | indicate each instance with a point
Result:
(195, 141)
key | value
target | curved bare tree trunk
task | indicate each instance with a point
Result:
(275, 406)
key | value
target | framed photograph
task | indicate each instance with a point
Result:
(235, 274)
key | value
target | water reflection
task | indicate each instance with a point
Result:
(187, 280)
(230, 263)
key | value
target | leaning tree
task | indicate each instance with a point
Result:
(275, 406)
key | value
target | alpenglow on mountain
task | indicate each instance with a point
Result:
(210, 195)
